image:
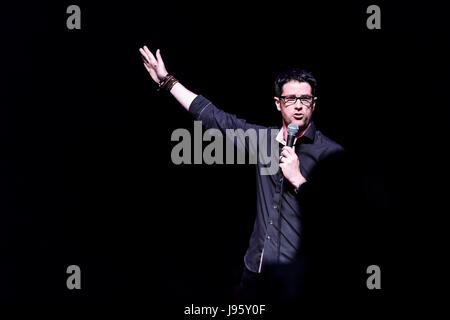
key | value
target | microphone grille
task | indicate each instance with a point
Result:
(292, 129)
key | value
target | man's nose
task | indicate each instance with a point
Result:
(298, 104)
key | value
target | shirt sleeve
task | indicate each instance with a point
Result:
(212, 117)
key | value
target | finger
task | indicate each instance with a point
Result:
(144, 55)
(283, 159)
(151, 57)
(149, 69)
(145, 61)
(158, 56)
(289, 150)
(147, 65)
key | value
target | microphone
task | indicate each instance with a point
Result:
(292, 131)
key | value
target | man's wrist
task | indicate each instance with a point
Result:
(298, 182)
(164, 76)
(164, 79)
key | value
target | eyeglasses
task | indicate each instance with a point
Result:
(304, 100)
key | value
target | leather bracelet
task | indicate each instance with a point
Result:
(170, 85)
(167, 83)
(164, 81)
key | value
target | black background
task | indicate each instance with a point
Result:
(86, 173)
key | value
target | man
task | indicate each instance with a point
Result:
(274, 267)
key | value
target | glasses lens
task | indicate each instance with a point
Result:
(306, 101)
(290, 100)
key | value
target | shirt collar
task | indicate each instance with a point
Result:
(309, 134)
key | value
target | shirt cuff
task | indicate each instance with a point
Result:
(298, 191)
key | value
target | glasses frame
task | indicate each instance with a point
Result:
(298, 98)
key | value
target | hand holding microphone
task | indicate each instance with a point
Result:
(289, 162)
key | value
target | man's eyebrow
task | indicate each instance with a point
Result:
(302, 96)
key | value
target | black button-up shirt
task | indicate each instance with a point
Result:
(277, 231)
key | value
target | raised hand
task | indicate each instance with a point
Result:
(154, 66)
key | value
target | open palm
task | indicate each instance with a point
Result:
(154, 66)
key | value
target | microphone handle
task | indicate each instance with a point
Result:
(290, 140)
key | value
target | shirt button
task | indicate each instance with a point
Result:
(268, 237)
(270, 221)
(275, 206)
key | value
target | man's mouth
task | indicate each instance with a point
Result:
(298, 116)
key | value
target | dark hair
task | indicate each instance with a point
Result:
(296, 74)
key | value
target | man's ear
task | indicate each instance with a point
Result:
(277, 103)
(314, 104)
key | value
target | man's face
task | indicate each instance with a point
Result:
(296, 112)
